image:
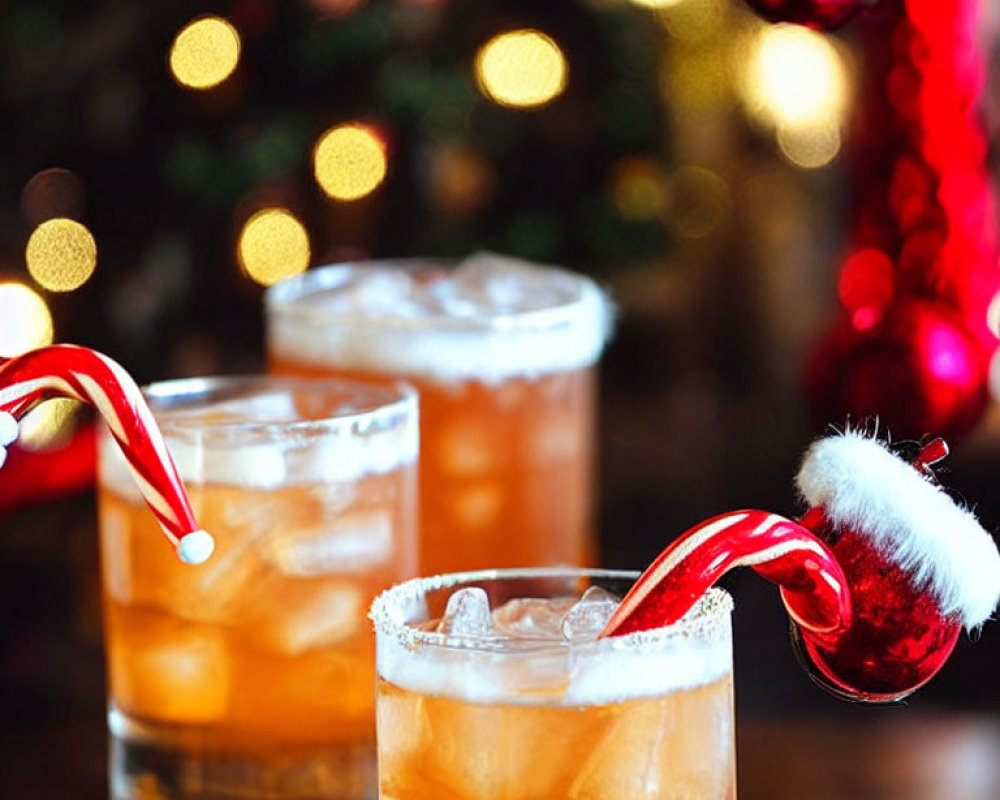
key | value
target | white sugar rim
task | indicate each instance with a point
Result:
(712, 609)
(860, 484)
(491, 346)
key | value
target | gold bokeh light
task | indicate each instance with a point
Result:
(809, 148)
(50, 425)
(61, 255)
(272, 245)
(655, 3)
(349, 162)
(204, 53)
(521, 69)
(25, 321)
(796, 78)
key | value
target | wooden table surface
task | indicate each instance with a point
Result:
(915, 756)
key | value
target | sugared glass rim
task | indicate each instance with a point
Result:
(283, 297)
(710, 610)
(399, 399)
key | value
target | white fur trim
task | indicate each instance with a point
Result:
(862, 485)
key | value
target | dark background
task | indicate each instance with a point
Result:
(648, 174)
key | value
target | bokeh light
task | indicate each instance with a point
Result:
(655, 3)
(697, 21)
(521, 69)
(810, 148)
(50, 425)
(638, 188)
(61, 255)
(796, 78)
(25, 321)
(461, 180)
(335, 9)
(349, 162)
(272, 245)
(866, 285)
(53, 192)
(993, 315)
(204, 53)
(700, 202)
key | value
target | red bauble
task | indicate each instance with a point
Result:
(818, 14)
(919, 371)
(898, 639)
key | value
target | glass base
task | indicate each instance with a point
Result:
(168, 762)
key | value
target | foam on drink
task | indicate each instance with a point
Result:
(544, 651)
(489, 319)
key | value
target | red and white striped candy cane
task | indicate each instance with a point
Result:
(86, 375)
(812, 583)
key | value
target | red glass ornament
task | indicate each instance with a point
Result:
(817, 14)
(898, 639)
(918, 370)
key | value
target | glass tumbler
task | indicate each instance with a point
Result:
(494, 686)
(251, 675)
(503, 353)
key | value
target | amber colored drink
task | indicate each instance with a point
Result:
(251, 675)
(529, 705)
(502, 354)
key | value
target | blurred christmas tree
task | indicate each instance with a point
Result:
(165, 128)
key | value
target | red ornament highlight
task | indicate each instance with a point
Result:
(88, 376)
(817, 14)
(914, 344)
(918, 367)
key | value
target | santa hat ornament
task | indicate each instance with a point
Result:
(879, 577)
(920, 567)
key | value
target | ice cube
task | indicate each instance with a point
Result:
(348, 543)
(116, 550)
(556, 439)
(490, 753)
(324, 616)
(532, 617)
(468, 448)
(402, 729)
(180, 676)
(446, 297)
(228, 587)
(508, 285)
(264, 406)
(627, 763)
(477, 505)
(588, 615)
(376, 290)
(674, 746)
(467, 614)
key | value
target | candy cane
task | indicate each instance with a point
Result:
(812, 583)
(86, 375)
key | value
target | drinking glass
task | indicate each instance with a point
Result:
(519, 700)
(251, 675)
(503, 355)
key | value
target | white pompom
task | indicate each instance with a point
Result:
(196, 547)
